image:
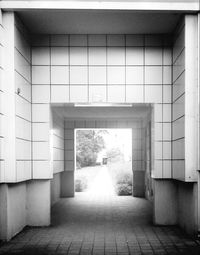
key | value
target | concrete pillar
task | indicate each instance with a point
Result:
(38, 203)
(12, 209)
(138, 183)
(67, 184)
(165, 202)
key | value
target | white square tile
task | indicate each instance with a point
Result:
(153, 94)
(59, 56)
(59, 94)
(179, 107)
(166, 112)
(23, 85)
(59, 40)
(40, 112)
(97, 55)
(78, 75)
(97, 93)
(167, 94)
(40, 94)
(115, 40)
(41, 170)
(78, 40)
(97, 75)
(167, 75)
(116, 56)
(134, 75)
(134, 40)
(178, 149)
(116, 94)
(153, 75)
(158, 131)
(40, 56)
(40, 40)
(179, 87)
(135, 94)
(167, 168)
(116, 75)
(157, 170)
(167, 56)
(41, 75)
(158, 108)
(134, 56)
(97, 40)
(153, 40)
(41, 151)
(78, 56)
(167, 131)
(78, 94)
(178, 128)
(153, 56)
(59, 75)
(166, 150)
(40, 131)
(158, 150)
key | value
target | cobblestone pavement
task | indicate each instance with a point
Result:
(101, 226)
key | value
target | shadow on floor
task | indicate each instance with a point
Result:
(87, 225)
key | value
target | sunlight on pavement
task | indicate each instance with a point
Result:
(102, 185)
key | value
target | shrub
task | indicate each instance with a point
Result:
(81, 184)
(123, 184)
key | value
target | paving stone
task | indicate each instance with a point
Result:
(87, 225)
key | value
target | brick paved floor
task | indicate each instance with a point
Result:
(101, 226)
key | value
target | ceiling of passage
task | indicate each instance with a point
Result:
(98, 22)
(108, 112)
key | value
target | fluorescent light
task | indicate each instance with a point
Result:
(102, 105)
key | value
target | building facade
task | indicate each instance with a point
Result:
(88, 64)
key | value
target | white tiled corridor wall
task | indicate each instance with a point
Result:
(23, 102)
(57, 143)
(1, 102)
(107, 68)
(178, 116)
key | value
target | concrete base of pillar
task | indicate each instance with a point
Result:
(21, 204)
(38, 203)
(67, 184)
(165, 202)
(138, 183)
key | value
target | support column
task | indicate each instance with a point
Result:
(38, 203)
(165, 202)
(67, 184)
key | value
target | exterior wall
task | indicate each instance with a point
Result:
(23, 116)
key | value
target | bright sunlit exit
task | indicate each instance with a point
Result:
(104, 161)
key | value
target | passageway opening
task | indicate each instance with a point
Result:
(103, 161)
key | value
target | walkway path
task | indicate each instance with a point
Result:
(105, 225)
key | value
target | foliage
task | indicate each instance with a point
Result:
(88, 144)
(81, 184)
(114, 154)
(123, 184)
(121, 174)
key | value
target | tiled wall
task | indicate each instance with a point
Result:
(137, 138)
(57, 143)
(178, 116)
(108, 68)
(1, 101)
(23, 102)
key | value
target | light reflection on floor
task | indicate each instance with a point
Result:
(102, 185)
